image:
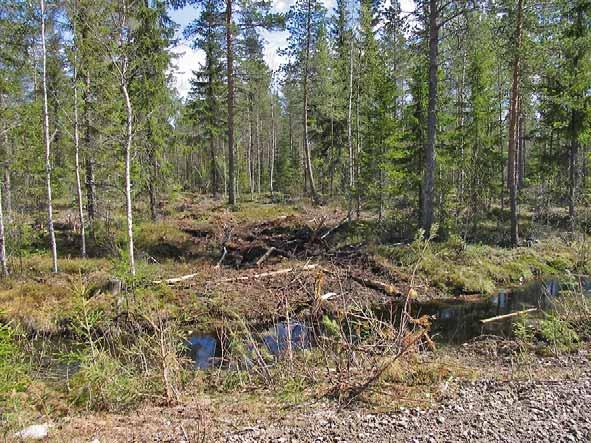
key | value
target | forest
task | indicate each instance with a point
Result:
(391, 220)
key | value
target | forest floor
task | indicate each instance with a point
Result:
(238, 272)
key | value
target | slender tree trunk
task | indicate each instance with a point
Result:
(429, 167)
(350, 136)
(513, 122)
(501, 146)
(272, 159)
(307, 153)
(214, 169)
(77, 166)
(89, 162)
(259, 151)
(123, 72)
(47, 139)
(250, 149)
(230, 80)
(572, 169)
(7, 182)
(3, 258)
(128, 201)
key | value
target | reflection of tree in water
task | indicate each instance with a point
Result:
(458, 321)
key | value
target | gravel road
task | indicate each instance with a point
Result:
(483, 411)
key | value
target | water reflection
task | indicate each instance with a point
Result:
(457, 321)
(205, 349)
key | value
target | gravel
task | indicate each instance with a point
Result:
(482, 411)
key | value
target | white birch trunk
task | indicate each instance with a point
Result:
(77, 164)
(47, 145)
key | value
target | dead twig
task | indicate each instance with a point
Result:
(221, 260)
(269, 274)
(503, 317)
(379, 286)
(265, 256)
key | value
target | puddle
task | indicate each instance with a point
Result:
(456, 321)
(206, 349)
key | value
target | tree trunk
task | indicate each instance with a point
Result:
(47, 138)
(128, 146)
(429, 172)
(77, 166)
(350, 136)
(307, 153)
(3, 258)
(7, 182)
(272, 159)
(572, 167)
(513, 122)
(230, 79)
(214, 170)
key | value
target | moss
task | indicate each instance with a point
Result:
(162, 240)
(456, 267)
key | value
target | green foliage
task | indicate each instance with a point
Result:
(104, 383)
(558, 334)
(14, 376)
(331, 327)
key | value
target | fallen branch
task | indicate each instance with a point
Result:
(269, 274)
(334, 228)
(503, 317)
(379, 286)
(221, 260)
(265, 256)
(172, 281)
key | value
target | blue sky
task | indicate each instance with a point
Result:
(189, 59)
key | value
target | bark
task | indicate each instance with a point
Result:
(428, 187)
(77, 166)
(47, 140)
(3, 261)
(576, 121)
(152, 183)
(128, 146)
(350, 135)
(513, 122)
(572, 167)
(215, 186)
(7, 182)
(89, 161)
(259, 151)
(521, 157)
(272, 159)
(307, 153)
(230, 80)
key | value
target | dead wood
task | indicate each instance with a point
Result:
(335, 228)
(172, 281)
(503, 317)
(379, 286)
(269, 274)
(221, 260)
(265, 256)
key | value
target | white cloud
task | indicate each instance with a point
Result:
(190, 59)
(274, 41)
(187, 61)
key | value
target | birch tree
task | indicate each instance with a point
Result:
(47, 140)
